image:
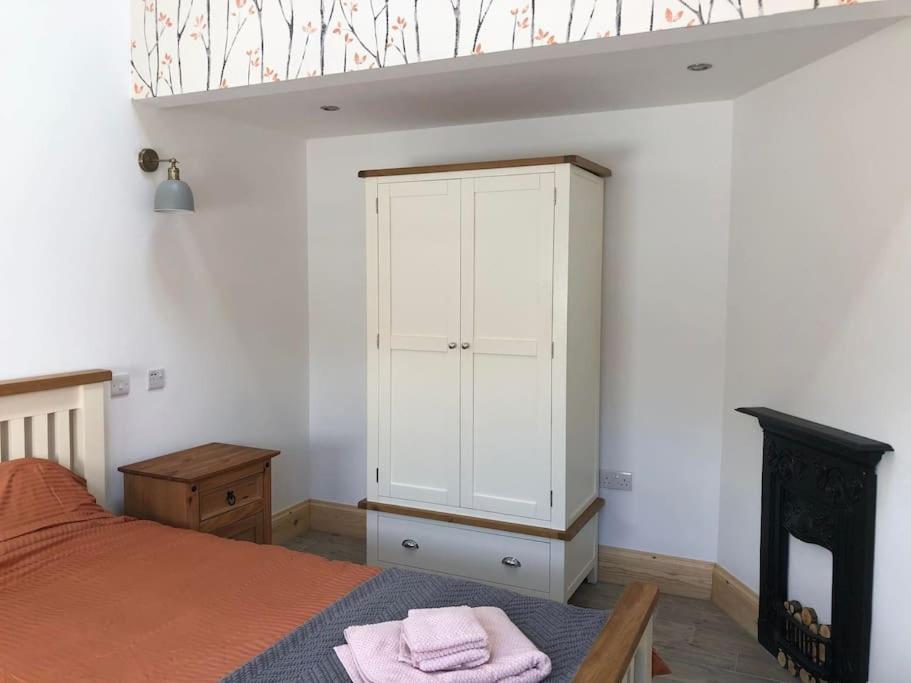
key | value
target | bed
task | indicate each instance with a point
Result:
(88, 595)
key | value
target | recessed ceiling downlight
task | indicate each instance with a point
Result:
(699, 66)
(330, 107)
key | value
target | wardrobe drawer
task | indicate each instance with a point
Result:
(478, 555)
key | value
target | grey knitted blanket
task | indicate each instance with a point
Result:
(563, 632)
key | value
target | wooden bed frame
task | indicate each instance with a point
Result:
(62, 418)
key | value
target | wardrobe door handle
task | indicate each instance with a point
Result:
(466, 345)
(452, 345)
(231, 498)
(410, 544)
(511, 562)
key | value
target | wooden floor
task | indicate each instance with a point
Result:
(696, 639)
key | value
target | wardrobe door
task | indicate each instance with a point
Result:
(507, 311)
(418, 244)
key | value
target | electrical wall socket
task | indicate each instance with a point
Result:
(156, 379)
(120, 384)
(619, 481)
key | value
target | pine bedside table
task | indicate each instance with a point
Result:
(217, 488)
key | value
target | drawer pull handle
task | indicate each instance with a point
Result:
(231, 498)
(511, 562)
(411, 545)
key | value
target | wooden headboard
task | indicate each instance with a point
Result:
(59, 417)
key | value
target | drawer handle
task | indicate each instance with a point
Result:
(411, 545)
(511, 562)
(231, 498)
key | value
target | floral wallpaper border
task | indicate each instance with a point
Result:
(181, 46)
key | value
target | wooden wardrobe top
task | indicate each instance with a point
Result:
(573, 159)
(200, 462)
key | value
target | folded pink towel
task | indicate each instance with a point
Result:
(443, 639)
(371, 655)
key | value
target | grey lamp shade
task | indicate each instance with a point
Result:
(174, 196)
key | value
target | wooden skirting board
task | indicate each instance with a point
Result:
(673, 575)
(318, 515)
(735, 599)
(337, 518)
(290, 522)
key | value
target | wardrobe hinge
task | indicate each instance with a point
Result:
(551, 498)
(551, 349)
(377, 341)
(555, 196)
(377, 475)
(377, 206)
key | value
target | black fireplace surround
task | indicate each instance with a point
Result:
(819, 485)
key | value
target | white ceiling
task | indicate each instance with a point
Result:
(598, 75)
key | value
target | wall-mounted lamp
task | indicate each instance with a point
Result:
(173, 195)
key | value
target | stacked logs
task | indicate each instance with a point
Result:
(815, 650)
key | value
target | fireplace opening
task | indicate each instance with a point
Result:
(805, 620)
(819, 518)
(810, 577)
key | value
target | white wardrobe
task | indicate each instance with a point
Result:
(484, 324)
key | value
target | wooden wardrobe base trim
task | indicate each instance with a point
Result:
(26, 385)
(574, 159)
(511, 527)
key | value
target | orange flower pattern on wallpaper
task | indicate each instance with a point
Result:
(182, 46)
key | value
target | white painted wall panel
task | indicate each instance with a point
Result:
(665, 254)
(218, 297)
(818, 322)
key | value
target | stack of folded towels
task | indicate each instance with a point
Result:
(446, 645)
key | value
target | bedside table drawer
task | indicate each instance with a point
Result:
(230, 495)
(246, 529)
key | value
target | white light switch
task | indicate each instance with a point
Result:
(120, 384)
(156, 379)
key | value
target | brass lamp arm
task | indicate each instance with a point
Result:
(149, 160)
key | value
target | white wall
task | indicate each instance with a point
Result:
(667, 213)
(91, 277)
(820, 275)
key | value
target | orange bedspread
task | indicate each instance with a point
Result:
(115, 599)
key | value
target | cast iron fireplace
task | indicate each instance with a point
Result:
(819, 485)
